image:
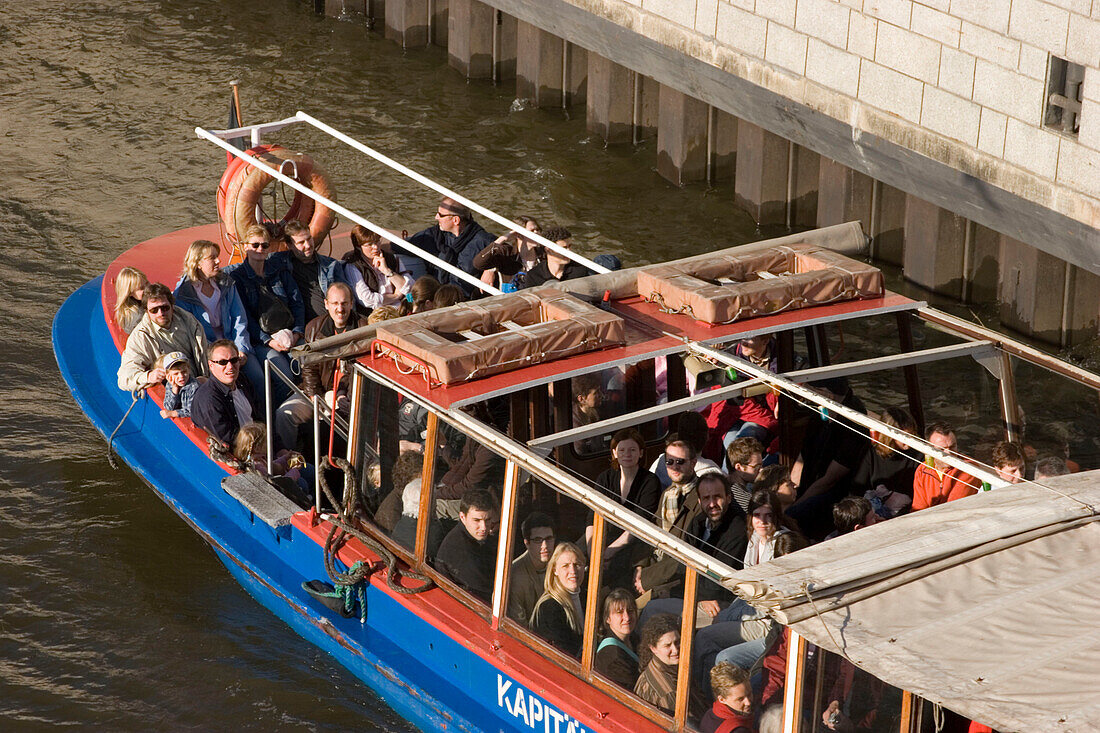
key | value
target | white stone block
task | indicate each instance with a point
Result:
(892, 11)
(786, 48)
(862, 35)
(856, 5)
(678, 11)
(706, 17)
(1034, 62)
(890, 91)
(1008, 91)
(908, 53)
(1089, 124)
(1040, 25)
(749, 5)
(1079, 168)
(956, 72)
(942, 5)
(1032, 148)
(991, 14)
(1077, 6)
(990, 46)
(823, 19)
(991, 134)
(951, 116)
(781, 11)
(1084, 40)
(744, 31)
(934, 24)
(832, 67)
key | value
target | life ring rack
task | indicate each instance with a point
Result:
(241, 189)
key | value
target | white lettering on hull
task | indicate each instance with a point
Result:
(533, 710)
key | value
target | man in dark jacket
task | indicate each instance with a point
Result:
(312, 271)
(468, 553)
(456, 239)
(317, 379)
(555, 267)
(223, 403)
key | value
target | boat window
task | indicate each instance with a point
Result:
(838, 695)
(1060, 420)
(612, 392)
(377, 446)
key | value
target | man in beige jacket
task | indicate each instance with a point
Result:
(162, 329)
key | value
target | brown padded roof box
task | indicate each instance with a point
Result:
(547, 324)
(804, 275)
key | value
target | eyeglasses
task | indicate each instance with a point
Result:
(669, 461)
(225, 362)
(541, 540)
(162, 308)
(259, 245)
(442, 214)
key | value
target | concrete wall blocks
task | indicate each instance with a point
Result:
(1084, 41)
(706, 17)
(888, 90)
(1081, 169)
(956, 72)
(1032, 147)
(951, 116)
(936, 25)
(862, 35)
(897, 12)
(993, 47)
(907, 52)
(833, 68)
(825, 20)
(1008, 92)
(1039, 24)
(990, 14)
(742, 30)
(681, 12)
(781, 11)
(991, 136)
(786, 48)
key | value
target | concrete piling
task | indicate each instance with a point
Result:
(681, 137)
(471, 26)
(610, 108)
(407, 22)
(539, 68)
(438, 18)
(760, 185)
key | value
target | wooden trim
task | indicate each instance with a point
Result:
(426, 512)
(792, 691)
(906, 723)
(912, 381)
(591, 605)
(504, 544)
(687, 632)
(1010, 410)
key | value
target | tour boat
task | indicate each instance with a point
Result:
(935, 603)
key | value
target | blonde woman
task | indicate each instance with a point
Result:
(129, 290)
(559, 614)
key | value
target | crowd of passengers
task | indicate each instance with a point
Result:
(718, 484)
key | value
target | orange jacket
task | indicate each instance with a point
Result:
(930, 488)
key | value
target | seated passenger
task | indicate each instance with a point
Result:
(223, 403)
(511, 254)
(616, 655)
(559, 614)
(163, 329)
(660, 661)
(456, 239)
(556, 267)
(408, 467)
(250, 447)
(528, 576)
(179, 387)
(732, 708)
(756, 413)
(467, 555)
(587, 396)
(691, 427)
(765, 527)
(210, 295)
(746, 458)
(852, 513)
(777, 479)
(473, 467)
(889, 466)
(676, 511)
(129, 289)
(374, 273)
(1009, 462)
(447, 295)
(1050, 467)
(404, 531)
(940, 482)
(312, 271)
(627, 483)
(421, 297)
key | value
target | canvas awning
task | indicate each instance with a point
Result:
(989, 605)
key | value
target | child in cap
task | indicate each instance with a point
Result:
(179, 386)
(732, 708)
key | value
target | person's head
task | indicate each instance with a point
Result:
(538, 537)
(836, 389)
(626, 448)
(129, 288)
(714, 496)
(660, 640)
(563, 238)
(158, 303)
(899, 419)
(408, 466)
(447, 295)
(256, 243)
(251, 441)
(176, 368)
(852, 513)
(1009, 461)
(365, 241)
(452, 216)
(410, 498)
(620, 614)
(530, 224)
(755, 347)
(777, 478)
(746, 455)
(679, 460)
(789, 542)
(201, 262)
(586, 392)
(383, 313)
(942, 436)
(340, 303)
(478, 513)
(224, 361)
(423, 293)
(300, 240)
(1050, 467)
(565, 570)
(731, 687)
(692, 428)
(765, 513)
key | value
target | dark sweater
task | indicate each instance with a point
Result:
(550, 622)
(614, 663)
(467, 562)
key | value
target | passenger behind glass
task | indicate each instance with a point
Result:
(129, 290)
(616, 655)
(467, 555)
(559, 613)
(404, 532)
(691, 427)
(732, 708)
(586, 410)
(659, 661)
(408, 466)
(528, 574)
(777, 478)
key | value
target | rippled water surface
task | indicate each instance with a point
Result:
(114, 613)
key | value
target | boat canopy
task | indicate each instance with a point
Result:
(986, 605)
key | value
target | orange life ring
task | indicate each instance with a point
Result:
(242, 186)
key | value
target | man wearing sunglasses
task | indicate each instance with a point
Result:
(163, 329)
(223, 403)
(456, 239)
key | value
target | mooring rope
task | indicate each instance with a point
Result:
(137, 394)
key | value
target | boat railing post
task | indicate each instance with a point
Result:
(1010, 408)
(591, 604)
(687, 632)
(426, 511)
(269, 413)
(792, 687)
(317, 468)
(504, 543)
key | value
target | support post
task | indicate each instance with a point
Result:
(407, 22)
(504, 544)
(912, 380)
(471, 27)
(935, 243)
(592, 601)
(539, 69)
(1032, 291)
(843, 195)
(426, 511)
(681, 137)
(687, 631)
(610, 107)
(792, 688)
(762, 168)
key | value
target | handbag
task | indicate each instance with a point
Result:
(274, 314)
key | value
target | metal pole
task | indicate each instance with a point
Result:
(269, 412)
(514, 226)
(384, 233)
(317, 452)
